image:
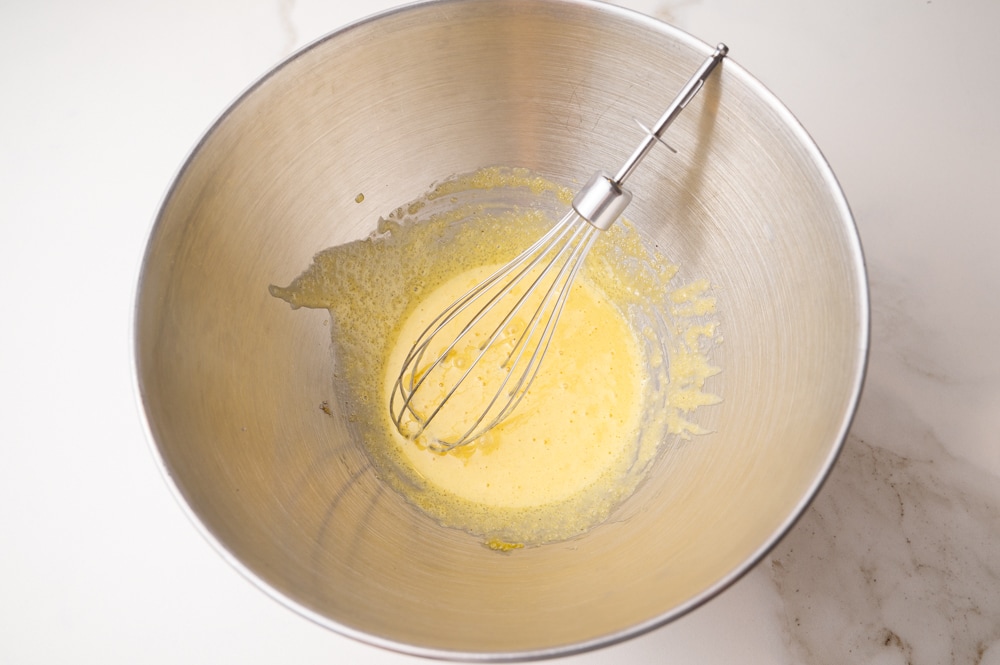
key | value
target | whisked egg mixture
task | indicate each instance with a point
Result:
(625, 372)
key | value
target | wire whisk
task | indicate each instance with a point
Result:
(475, 362)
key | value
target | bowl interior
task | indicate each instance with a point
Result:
(232, 381)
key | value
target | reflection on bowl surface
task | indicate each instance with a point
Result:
(238, 391)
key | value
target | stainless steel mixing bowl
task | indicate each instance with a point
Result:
(232, 380)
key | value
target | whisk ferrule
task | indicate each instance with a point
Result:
(601, 201)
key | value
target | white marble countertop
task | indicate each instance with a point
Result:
(898, 559)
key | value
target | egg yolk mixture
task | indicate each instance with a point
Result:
(580, 416)
(624, 373)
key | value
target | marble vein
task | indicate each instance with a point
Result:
(897, 561)
(290, 35)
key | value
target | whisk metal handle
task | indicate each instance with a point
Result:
(603, 199)
(686, 94)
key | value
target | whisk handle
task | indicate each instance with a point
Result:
(686, 94)
(603, 199)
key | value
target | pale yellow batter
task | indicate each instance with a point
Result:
(625, 375)
(581, 415)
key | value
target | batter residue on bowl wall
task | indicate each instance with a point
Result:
(625, 374)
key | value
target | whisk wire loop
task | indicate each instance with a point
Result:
(457, 307)
(533, 259)
(559, 288)
(452, 312)
(448, 315)
(548, 266)
(556, 289)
